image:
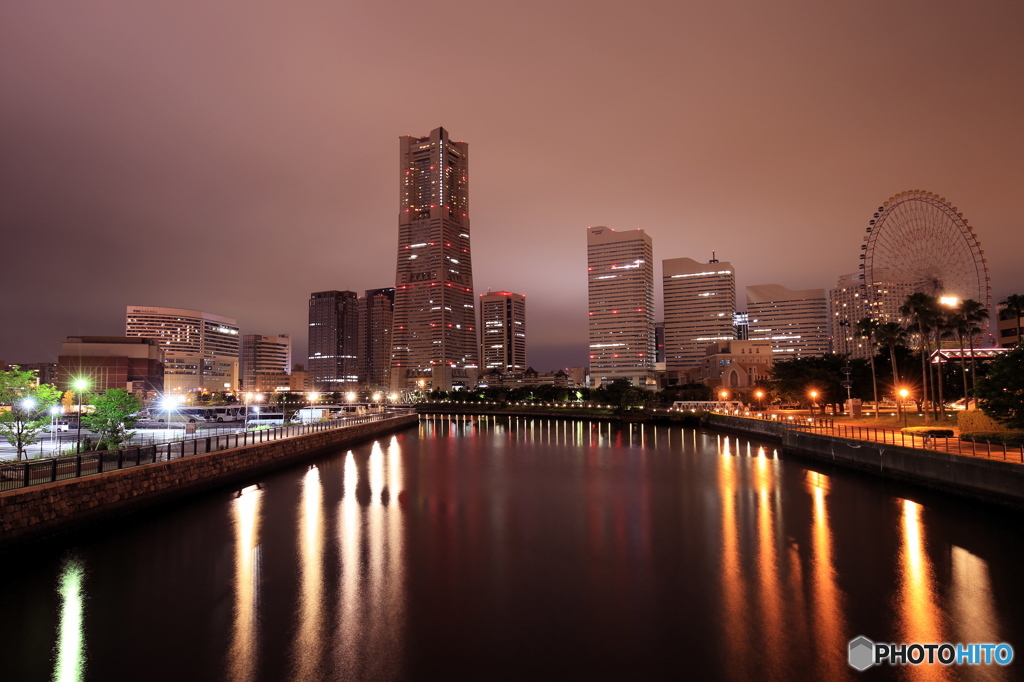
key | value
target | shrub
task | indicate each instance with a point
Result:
(973, 421)
(1013, 438)
(933, 431)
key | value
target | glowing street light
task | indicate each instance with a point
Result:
(814, 399)
(903, 396)
(760, 398)
(79, 385)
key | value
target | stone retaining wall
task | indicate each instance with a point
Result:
(36, 511)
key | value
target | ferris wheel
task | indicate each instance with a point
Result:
(920, 240)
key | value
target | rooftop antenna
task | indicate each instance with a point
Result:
(713, 259)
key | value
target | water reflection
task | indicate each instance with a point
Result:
(829, 622)
(918, 608)
(69, 665)
(242, 658)
(735, 624)
(309, 649)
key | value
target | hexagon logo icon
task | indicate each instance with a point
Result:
(862, 653)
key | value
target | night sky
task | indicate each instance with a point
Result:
(233, 157)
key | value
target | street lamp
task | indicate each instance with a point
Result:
(814, 399)
(80, 386)
(903, 395)
(54, 411)
(760, 398)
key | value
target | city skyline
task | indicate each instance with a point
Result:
(237, 163)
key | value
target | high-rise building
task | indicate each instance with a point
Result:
(503, 331)
(200, 349)
(376, 317)
(700, 300)
(333, 340)
(261, 354)
(434, 337)
(620, 278)
(851, 301)
(796, 322)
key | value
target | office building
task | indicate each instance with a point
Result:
(105, 362)
(851, 301)
(795, 322)
(200, 349)
(434, 335)
(1008, 333)
(620, 285)
(271, 355)
(333, 340)
(503, 331)
(376, 317)
(700, 300)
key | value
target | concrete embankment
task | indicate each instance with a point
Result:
(37, 511)
(984, 479)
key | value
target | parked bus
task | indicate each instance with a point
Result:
(265, 419)
(198, 415)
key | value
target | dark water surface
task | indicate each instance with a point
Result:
(507, 548)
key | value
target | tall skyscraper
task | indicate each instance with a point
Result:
(333, 340)
(264, 355)
(700, 300)
(620, 278)
(849, 302)
(200, 349)
(503, 331)
(434, 327)
(376, 316)
(796, 322)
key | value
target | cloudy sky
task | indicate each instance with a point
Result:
(233, 157)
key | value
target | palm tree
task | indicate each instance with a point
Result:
(919, 309)
(867, 327)
(975, 314)
(891, 334)
(1014, 303)
(960, 327)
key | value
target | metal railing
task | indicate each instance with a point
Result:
(36, 472)
(951, 444)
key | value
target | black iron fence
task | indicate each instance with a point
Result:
(35, 472)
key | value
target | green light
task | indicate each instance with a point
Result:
(81, 384)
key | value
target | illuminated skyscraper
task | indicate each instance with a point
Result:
(264, 355)
(700, 301)
(503, 331)
(201, 349)
(620, 276)
(376, 317)
(796, 322)
(333, 340)
(434, 338)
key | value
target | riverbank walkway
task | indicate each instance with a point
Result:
(14, 475)
(893, 435)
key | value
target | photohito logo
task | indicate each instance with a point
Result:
(863, 653)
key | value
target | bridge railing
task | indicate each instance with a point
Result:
(38, 471)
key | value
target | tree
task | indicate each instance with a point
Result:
(1014, 303)
(920, 309)
(891, 335)
(29, 405)
(114, 413)
(1001, 391)
(867, 327)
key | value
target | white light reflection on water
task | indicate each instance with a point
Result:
(309, 648)
(69, 664)
(242, 658)
(919, 610)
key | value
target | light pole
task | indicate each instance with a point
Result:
(80, 385)
(814, 399)
(54, 411)
(903, 396)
